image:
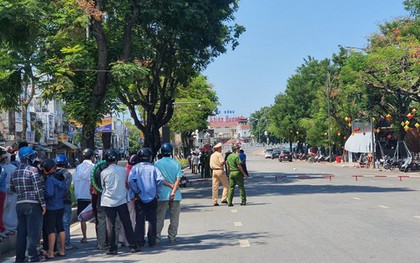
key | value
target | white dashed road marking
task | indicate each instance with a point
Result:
(237, 223)
(418, 217)
(244, 243)
(357, 198)
(383, 206)
(234, 211)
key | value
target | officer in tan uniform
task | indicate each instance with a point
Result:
(217, 162)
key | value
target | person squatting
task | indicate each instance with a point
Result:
(39, 199)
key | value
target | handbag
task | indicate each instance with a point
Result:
(87, 214)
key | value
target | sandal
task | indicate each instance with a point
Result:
(58, 254)
(83, 240)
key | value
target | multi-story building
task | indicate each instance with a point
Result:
(227, 129)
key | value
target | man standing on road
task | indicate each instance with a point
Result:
(145, 181)
(30, 206)
(236, 175)
(114, 199)
(81, 181)
(169, 194)
(217, 162)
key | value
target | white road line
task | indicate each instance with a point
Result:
(357, 198)
(418, 217)
(390, 184)
(234, 211)
(237, 223)
(244, 243)
(383, 206)
(74, 227)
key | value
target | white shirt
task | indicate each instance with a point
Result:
(9, 168)
(113, 180)
(81, 180)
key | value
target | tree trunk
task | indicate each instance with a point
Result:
(101, 83)
(88, 136)
(106, 141)
(24, 121)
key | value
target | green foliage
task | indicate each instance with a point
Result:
(383, 79)
(133, 137)
(182, 161)
(193, 105)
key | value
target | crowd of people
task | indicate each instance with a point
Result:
(36, 200)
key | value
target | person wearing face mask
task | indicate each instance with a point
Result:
(28, 185)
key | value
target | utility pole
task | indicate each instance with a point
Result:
(329, 113)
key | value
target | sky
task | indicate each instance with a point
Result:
(279, 35)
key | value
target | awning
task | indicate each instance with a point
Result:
(71, 146)
(359, 143)
(230, 142)
(42, 148)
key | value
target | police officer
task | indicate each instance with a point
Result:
(217, 162)
(236, 175)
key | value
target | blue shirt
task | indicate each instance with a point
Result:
(54, 193)
(3, 176)
(171, 171)
(145, 180)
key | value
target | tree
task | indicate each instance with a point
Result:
(193, 106)
(259, 121)
(142, 50)
(21, 53)
(390, 71)
(178, 39)
(134, 137)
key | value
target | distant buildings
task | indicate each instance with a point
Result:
(227, 130)
(50, 131)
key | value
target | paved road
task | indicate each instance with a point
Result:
(373, 219)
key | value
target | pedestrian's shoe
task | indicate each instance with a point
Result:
(215, 204)
(224, 202)
(111, 252)
(243, 203)
(134, 249)
(230, 204)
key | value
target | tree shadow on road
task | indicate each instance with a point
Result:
(208, 241)
(283, 186)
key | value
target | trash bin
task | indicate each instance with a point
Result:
(338, 159)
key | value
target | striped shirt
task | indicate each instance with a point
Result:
(28, 184)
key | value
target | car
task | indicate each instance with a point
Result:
(268, 153)
(276, 153)
(285, 156)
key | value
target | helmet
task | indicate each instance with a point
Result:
(47, 166)
(166, 149)
(145, 155)
(133, 160)
(87, 153)
(60, 159)
(25, 152)
(111, 155)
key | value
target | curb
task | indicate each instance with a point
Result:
(9, 245)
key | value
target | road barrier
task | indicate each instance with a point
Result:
(401, 177)
(302, 176)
